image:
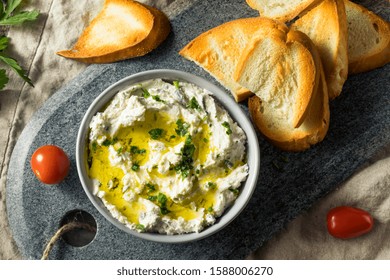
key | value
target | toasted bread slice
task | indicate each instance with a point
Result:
(282, 10)
(274, 127)
(123, 29)
(368, 39)
(281, 70)
(291, 103)
(326, 26)
(218, 49)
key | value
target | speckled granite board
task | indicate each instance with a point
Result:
(360, 126)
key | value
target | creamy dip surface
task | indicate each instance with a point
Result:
(165, 157)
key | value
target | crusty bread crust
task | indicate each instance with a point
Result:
(368, 39)
(150, 28)
(311, 61)
(280, 9)
(326, 25)
(217, 50)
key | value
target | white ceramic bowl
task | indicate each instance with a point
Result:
(253, 152)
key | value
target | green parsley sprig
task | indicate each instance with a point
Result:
(156, 133)
(8, 16)
(228, 129)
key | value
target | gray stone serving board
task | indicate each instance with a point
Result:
(360, 127)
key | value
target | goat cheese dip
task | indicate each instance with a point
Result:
(165, 157)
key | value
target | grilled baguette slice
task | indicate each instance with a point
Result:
(368, 39)
(291, 104)
(218, 50)
(280, 9)
(122, 30)
(326, 26)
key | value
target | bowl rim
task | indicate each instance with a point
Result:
(227, 102)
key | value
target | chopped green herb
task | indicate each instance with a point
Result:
(109, 142)
(135, 167)
(119, 151)
(205, 140)
(164, 210)
(182, 127)
(187, 153)
(158, 99)
(152, 197)
(134, 150)
(194, 104)
(106, 143)
(211, 185)
(162, 198)
(227, 126)
(197, 171)
(156, 133)
(94, 146)
(210, 209)
(151, 187)
(140, 227)
(235, 191)
(172, 137)
(146, 93)
(176, 84)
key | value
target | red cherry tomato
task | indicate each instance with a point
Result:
(50, 164)
(347, 222)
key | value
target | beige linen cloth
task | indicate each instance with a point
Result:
(58, 27)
